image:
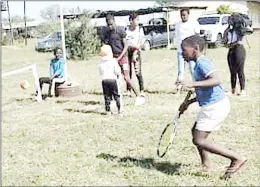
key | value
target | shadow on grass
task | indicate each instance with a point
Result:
(146, 163)
(166, 92)
(83, 102)
(85, 111)
(92, 93)
(90, 102)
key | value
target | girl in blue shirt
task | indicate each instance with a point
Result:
(214, 105)
(56, 72)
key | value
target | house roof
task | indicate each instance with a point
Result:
(102, 14)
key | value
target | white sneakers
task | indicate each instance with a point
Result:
(139, 100)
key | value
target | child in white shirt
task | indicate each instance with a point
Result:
(110, 72)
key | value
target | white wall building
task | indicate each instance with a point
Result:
(252, 8)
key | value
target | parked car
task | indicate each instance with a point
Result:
(49, 42)
(213, 26)
(157, 36)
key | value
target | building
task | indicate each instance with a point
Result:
(252, 8)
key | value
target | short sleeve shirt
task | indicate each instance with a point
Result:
(115, 38)
(209, 95)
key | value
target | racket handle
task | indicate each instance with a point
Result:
(187, 96)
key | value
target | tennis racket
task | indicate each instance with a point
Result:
(169, 132)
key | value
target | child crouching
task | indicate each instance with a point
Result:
(110, 72)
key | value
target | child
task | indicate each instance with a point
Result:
(214, 105)
(56, 73)
(109, 71)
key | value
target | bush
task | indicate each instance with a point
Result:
(82, 40)
(223, 9)
(47, 28)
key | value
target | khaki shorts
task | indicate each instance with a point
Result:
(210, 117)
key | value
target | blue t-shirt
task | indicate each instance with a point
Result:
(57, 67)
(208, 95)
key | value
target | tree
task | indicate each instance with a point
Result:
(223, 9)
(51, 13)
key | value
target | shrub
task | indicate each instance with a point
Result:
(223, 9)
(82, 40)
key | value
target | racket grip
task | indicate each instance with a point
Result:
(187, 96)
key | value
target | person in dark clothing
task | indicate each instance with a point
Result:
(236, 60)
(116, 37)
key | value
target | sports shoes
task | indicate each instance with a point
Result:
(242, 93)
(108, 113)
(139, 100)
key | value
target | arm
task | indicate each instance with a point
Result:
(124, 50)
(141, 35)
(117, 69)
(197, 27)
(51, 70)
(211, 80)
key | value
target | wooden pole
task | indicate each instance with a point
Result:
(63, 42)
(10, 24)
(25, 27)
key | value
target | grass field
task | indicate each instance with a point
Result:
(68, 142)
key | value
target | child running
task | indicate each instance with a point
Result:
(56, 73)
(109, 71)
(215, 106)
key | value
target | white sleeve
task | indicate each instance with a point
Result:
(196, 27)
(141, 33)
(229, 37)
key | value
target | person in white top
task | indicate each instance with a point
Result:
(135, 33)
(184, 29)
(109, 71)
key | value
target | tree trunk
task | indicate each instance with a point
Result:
(10, 23)
(25, 27)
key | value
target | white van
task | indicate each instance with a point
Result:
(212, 26)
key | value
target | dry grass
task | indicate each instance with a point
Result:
(67, 141)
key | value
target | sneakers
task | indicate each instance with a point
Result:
(242, 93)
(139, 100)
(108, 113)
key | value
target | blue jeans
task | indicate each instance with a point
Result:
(181, 66)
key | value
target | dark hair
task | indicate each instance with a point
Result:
(56, 49)
(133, 16)
(195, 40)
(185, 9)
(109, 17)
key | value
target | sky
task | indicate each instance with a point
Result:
(33, 8)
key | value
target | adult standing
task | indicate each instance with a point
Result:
(134, 38)
(236, 56)
(184, 29)
(116, 37)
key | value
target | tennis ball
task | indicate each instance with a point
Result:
(24, 84)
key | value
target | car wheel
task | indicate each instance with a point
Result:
(147, 45)
(218, 42)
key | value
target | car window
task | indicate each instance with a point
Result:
(225, 20)
(208, 20)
